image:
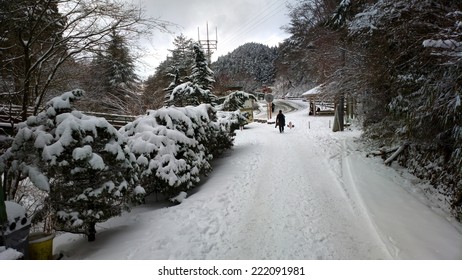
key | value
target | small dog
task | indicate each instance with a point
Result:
(291, 125)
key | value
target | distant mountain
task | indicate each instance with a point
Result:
(250, 66)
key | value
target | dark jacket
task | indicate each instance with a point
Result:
(281, 119)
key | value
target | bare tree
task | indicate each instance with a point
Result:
(38, 37)
(313, 53)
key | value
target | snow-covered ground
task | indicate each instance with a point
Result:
(305, 194)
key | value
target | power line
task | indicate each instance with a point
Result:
(253, 27)
(208, 44)
(270, 10)
(240, 28)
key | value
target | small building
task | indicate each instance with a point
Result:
(320, 102)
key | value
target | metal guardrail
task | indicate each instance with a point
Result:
(294, 98)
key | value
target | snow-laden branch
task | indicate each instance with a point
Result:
(442, 44)
(401, 148)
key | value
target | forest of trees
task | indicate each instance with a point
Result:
(250, 66)
(401, 61)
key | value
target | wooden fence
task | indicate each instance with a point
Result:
(10, 115)
(116, 120)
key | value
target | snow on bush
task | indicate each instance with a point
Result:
(231, 120)
(83, 162)
(174, 146)
(190, 94)
(215, 135)
(235, 100)
(231, 106)
(93, 172)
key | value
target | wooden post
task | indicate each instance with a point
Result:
(335, 126)
(341, 111)
(314, 108)
(3, 217)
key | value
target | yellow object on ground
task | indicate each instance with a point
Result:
(41, 246)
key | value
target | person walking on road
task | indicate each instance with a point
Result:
(280, 121)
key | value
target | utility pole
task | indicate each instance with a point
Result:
(208, 44)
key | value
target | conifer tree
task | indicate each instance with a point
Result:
(182, 56)
(176, 66)
(197, 90)
(175, 82)
(116, 71)
(201, 74)
(235, 100)
(81, 161)
(121, 72)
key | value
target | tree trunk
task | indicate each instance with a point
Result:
(336, 126)
(3, 217)
(26, 82)
(389, 160)
(91, 232)
(341, 113)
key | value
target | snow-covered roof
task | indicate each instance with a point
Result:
(314, 91)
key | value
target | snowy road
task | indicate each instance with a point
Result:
(294, 207)
(294, 195)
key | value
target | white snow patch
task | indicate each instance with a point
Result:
(179, 198)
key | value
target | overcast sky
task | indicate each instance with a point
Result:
(236, 21)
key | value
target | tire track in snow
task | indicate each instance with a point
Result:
(290, 215)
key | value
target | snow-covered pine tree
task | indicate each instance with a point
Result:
(175, 82)
(201, 74)
(236, 99)
(220, 134)
(82, 161)
(174, 146)
(116, 71)
(197, 90)
(178, 64)
(233, 102)
(121, 72)
(208, 131)
(164, 151)
(190, 94)
(182, 56)
(154, 94)
(344, 12)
